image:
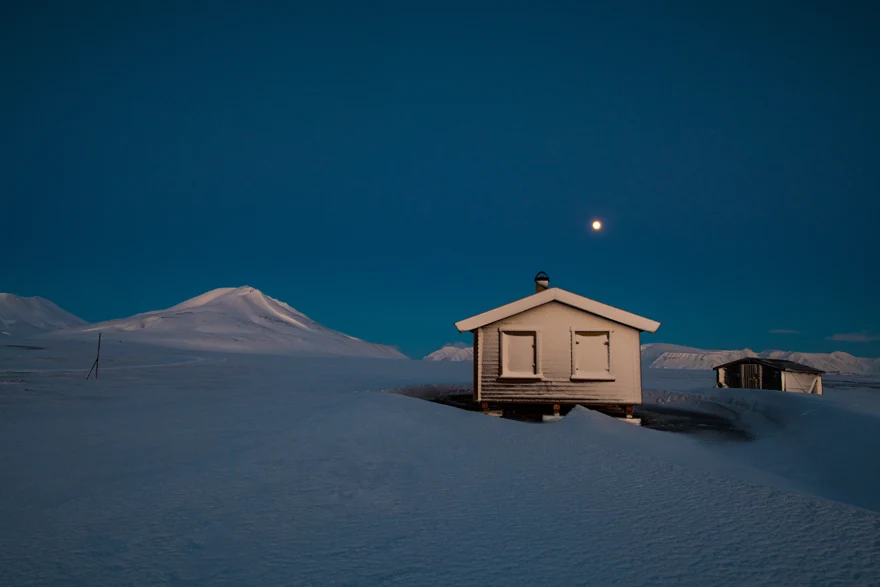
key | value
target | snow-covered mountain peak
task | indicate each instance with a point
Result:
(237, 296)
(220, 294)
(28, 316)
(452, 353)
(241, 319)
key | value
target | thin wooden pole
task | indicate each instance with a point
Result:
(98, 360)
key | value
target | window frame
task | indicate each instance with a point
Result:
(538, 374)
(594, 376)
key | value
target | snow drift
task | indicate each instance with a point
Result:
(271, 470)
(241, 319)
(20, 316)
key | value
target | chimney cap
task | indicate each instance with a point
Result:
(541, 276)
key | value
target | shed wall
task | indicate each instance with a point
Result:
(802, 382)
(555, 321)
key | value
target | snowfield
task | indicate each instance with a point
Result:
(190, 467)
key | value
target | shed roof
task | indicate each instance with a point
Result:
(554, 294)
(781, 364)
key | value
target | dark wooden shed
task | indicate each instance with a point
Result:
(778, 374)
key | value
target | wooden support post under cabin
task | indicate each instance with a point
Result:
(628, 411)
(484, 406)
(555, 409)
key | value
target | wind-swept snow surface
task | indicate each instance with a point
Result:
(258, 470)
(24, 317)
(241, 319)
(452, 353)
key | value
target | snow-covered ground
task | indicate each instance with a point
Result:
(188, 467)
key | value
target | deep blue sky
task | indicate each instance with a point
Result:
(389, 169)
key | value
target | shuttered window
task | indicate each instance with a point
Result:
(591, 355)
(520, 353)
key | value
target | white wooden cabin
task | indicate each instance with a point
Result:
(556, 347)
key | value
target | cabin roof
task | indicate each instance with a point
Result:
(554, 294)
(781, 364)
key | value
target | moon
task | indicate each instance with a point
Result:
(597, 225)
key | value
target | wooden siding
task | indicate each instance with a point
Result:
(556, 321)
(478, 372)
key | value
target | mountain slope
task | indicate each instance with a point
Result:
(452, 353)
(20, 316)
(240, 319)
(651, 351)
(698, 359)
(836, 362)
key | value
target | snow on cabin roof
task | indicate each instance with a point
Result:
(554, 294)
(781, 364)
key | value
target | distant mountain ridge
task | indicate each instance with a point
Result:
(236, 319)
(672, 356)
(665, 356)
(452, 353)
(29, 316)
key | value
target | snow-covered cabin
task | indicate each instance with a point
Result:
(556, 347)
(778, 374)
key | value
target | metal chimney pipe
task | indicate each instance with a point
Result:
(542, 282)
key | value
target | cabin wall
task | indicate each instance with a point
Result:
(733, 376)
(771, 378)
(555, 321)
(478, 335)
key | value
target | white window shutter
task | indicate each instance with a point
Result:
(591, 353)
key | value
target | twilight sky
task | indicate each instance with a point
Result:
(390, 168)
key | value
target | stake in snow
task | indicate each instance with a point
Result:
(555, 347)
